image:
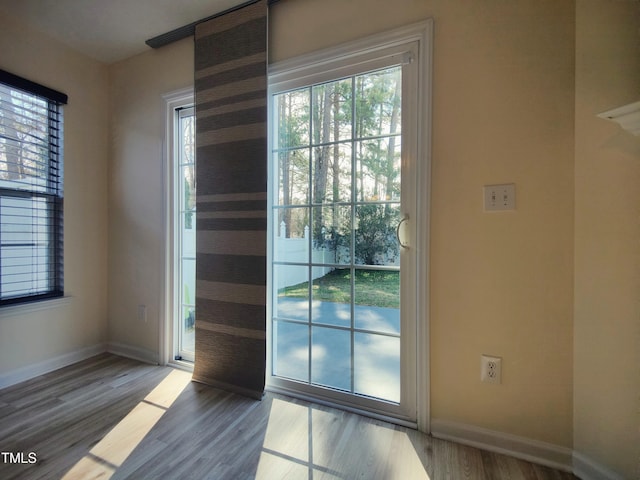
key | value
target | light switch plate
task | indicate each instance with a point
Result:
(499, 197)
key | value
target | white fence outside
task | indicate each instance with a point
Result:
(188, 263)
(296, 250)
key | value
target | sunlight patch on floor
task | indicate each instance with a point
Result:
(111, 452)
(307, 442)
(288, 430)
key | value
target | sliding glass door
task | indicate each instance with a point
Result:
(342, 323)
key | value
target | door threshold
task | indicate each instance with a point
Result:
(343, 406)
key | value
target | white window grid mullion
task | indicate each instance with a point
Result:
(309, 240)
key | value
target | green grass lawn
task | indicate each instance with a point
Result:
(378, 288)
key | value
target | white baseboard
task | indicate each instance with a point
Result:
(587, 469)
(31, 371)
(135, 353)
(534, 451)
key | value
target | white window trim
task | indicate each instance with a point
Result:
(167, 340)
(332, 63)
(34, 306)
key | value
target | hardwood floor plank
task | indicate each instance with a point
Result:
(110, 417)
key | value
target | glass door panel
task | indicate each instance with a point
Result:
(336, 309)
(185, 189)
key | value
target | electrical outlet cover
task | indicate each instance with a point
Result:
(490, 369)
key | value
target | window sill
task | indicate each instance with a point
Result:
(27, 308)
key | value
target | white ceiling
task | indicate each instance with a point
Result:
(110, 30)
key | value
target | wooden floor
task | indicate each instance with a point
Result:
(110, 417)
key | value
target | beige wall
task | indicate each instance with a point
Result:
(607, 238)
(136, 229)
(28, 339)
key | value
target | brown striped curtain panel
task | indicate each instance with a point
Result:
(231, 176)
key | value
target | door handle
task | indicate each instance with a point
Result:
(404, 219)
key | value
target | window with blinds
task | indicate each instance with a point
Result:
(31, 196)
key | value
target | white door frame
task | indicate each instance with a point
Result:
(167, 340)
(327, 65)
